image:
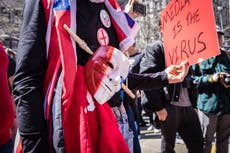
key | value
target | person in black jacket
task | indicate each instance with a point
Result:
(174, 105)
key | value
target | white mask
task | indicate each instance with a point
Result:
(105, 72)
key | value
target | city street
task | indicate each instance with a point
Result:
(151, 142)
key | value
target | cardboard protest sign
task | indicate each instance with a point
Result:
(189, 31)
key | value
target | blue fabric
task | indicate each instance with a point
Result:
(58, 138)
(61, 5)
(132, 125)
(125, 130)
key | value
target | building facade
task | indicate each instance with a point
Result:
(10, 22)
(149, 31)
(222, 16)
(11, 15)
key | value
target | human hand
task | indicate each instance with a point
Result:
(214, 78)
(129, 9)
(162, 114)
(138, 94)
(225, 79)
(196, 110)
(177, 73)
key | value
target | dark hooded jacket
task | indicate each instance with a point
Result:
(154, 100)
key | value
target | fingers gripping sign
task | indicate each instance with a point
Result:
(177, 73)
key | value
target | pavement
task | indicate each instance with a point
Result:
(151, 142)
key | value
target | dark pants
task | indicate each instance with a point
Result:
(183, 120)
(219, 124)
(7, 147)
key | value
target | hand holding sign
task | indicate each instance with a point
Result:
(177, 73)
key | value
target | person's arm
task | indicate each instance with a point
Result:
(206, 74)
(154, 75)
(204, 79)
(150, 77)
(148, 81)
(28, 82)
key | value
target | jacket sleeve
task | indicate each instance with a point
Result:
(29, 77)
(202, 79)
(153, 63)
(148, 81)
(205, 70)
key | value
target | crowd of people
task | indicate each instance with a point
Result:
(62, 98)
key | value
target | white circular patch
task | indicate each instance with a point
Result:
(102, 37)
(105, 19)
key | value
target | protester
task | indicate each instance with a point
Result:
(55, 111)
(213, 100)
(7, 115)
(174, 105)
